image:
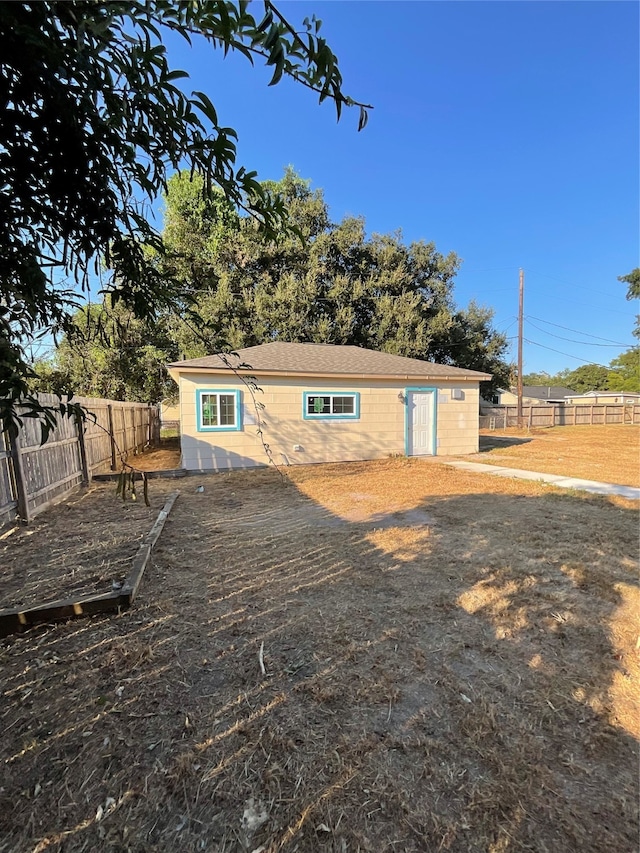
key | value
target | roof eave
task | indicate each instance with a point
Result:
(178, 368)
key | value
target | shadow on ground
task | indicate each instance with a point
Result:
(491, 442)
(448, 676)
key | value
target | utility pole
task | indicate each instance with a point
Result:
(520, 324)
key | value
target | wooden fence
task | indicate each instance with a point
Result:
(500, 417)
(33, 475)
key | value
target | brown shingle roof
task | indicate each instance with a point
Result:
(326, 359)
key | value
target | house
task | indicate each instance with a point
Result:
(169, 412)
(604, 398)
(532, 395)
(322, 403)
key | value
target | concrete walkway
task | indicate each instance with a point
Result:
(555, 479)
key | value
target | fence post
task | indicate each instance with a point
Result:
(86, 473)
(124, 447)
(112, 437)
(152, 414)
(591, 414)
(530, 417)
(606, 414)
(22, 495)
(133, 424)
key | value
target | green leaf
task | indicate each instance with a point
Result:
(266, 22)
(277, 74)
(176, 75)
(203, 102)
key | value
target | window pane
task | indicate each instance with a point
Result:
(209, 410)
(318, 405)
(227, 410)
(343, 405)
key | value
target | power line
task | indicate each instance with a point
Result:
(573, 340)
(568, 355)
(508, 326)
(577, 331)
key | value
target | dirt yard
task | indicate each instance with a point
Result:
(80, 546)
(385, 656)
(607, 453)
(163, 458)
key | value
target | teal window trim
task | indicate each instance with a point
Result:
(407, 412)
(237, 427)
(353, 416)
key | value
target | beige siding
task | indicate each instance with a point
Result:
(379, 432)
(604, 400)
(169, 411)
(508, 398)
(457, 420)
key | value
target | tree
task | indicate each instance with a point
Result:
(110, 353)
(547, 379)
(633, 292)
(94, 121)
(588, 377)
(338, 286)
(624, 374)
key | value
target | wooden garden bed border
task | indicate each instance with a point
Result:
(166, 473)
(20, 619)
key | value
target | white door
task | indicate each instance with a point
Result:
(421, 417)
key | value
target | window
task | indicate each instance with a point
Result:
(325, 406)
(495, 399)
(218, 410)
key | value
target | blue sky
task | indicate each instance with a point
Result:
(506, 132)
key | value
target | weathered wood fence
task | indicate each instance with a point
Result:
(500, 417)
(33, 475)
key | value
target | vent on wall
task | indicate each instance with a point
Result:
(457, 394)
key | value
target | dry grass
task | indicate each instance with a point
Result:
(166, 457)
(610, 454)
(450, 664)
(80, 546)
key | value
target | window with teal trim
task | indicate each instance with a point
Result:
(218, 410)
(331, 405)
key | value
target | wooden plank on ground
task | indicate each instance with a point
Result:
(168, 473)
(141, 560)
(19, 619)
(22, 618)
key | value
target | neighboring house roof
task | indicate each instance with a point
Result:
(606, 394)
(327, 360)
(546, 392)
